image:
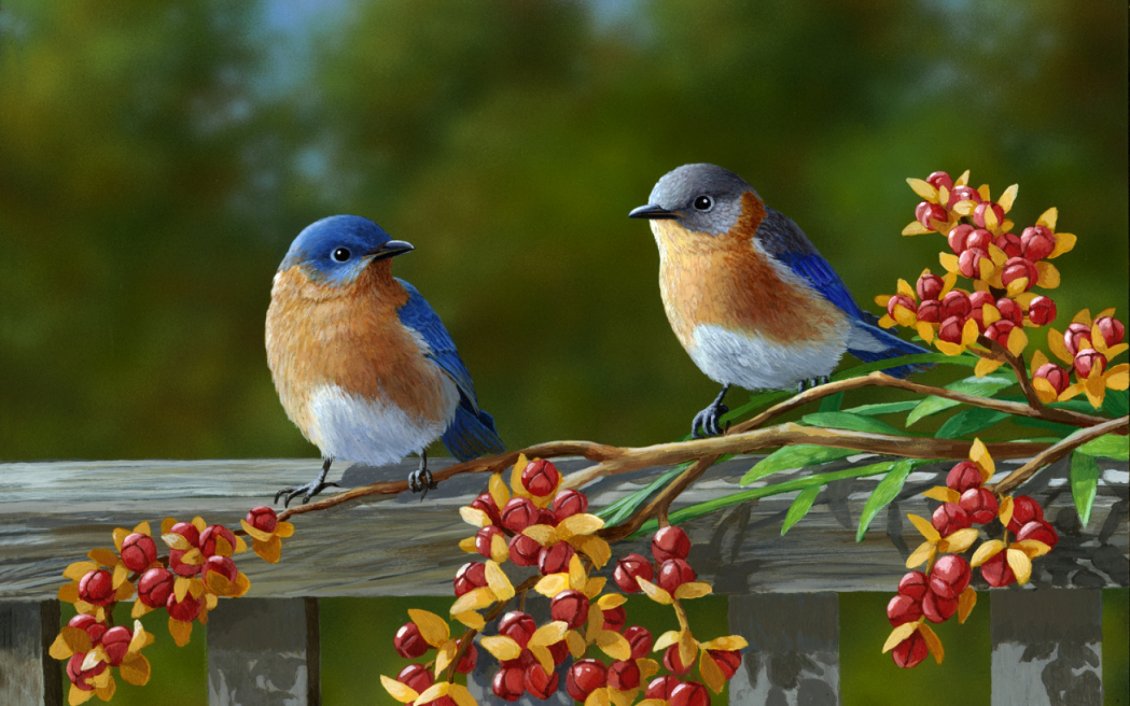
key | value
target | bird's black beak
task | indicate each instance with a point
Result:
(391, 249)
(652, 212)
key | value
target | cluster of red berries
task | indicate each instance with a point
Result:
(1086, 351)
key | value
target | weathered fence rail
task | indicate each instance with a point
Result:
(782, 589)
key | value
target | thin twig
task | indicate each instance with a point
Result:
(1058, 450)
(1020, 370)
(660, 504)
(469, 635)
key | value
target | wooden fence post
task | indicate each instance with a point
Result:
(1047, 647)
(794, 649)
(264, 651)
(28, 676)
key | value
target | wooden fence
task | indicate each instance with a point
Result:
(264, 649)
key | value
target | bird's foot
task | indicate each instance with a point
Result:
(708, 422)
(809, 383)
(420, 480)
(306, 491)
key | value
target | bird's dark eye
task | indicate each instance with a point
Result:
(341, 254)
(703, 203)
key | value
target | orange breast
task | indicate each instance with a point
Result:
(350, 337)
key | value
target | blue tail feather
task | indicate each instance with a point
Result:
(893, 347)
(471, 435)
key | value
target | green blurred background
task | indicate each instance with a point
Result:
(156, 159)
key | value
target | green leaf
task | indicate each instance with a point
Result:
(883, 408)
(832, 403)
(970, 421)
(1112, 446)
(853, 422)
(886, 491)
(981, 387)
(1084, 483)
(797, 456)
(800, 507)
(1116, 403)
(1061, 429)
(623, 508)
(967, 360)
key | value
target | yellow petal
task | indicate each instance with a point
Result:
(516, 477)
(904, 316)
(1119, 377)
(284, 529)
(78, 696)
(965, 603)
(1008, 197)
(969, 333)
(1039, 360)
(987, 365)
(948, 282)
(963, 179)
(467, 544)
(552, 584)
(180, 587)
(983, 190)
(105, 686)
(986, 551)
(461, 695)
(398, 690)
(1057, 347)
(167, 524)
(471, 619)
(885, 321)
(654, 592)
(933, 642)
(594, 586)
(921, 555)
(882, 300)
(270, 551)
(926, 331)
(79, 569)
(578, 577)
(666, 640)
(1004, 512)
(614, 644)
(181, 631)
(906, 290)
(499, 549)
(474, 599)
(550, 634)
(1032, 547)
(1083, 317)
(986, 268)
(942, 494)
(119, 534)
(1017, 287)
(693, 589)
(594, 548)
(1044, 390)
(445, 655)
(979, 454)
(1048, 276)
(599, 697)
(433, 628)
(542, 534)
(474, 516)
(948, 261)
(434, 692)
(253, 532)
(915, 228)
(959, 541)
(543, 656)
(135, 670)
(581, 523)
(611, 600)
(1064, 242)
(1095, 388)
(1048, 218)
(728, 643)
(501, 647)
(1017, 341)
(688, 646)
(498, 490)
(576, 644)
(900, 633)
(498, 582)
(949, 348)
(924, 189)
(965, 208)
(924, 527)
(711, 673)
(1020, 564)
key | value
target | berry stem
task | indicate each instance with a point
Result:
(1057, 451)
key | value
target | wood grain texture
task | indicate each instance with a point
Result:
(28, 675)
(52, 513)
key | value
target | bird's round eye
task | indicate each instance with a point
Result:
(341, 254)
(703, 203)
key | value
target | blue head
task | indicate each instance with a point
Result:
(337, 249)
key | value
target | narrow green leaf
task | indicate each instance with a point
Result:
(1112, 446)
(970, 421)
(1055, 427)
(854, 422)
(832, 403)
(800, 507)
(1116, 403)
(886, 491)
(982, 387)
(967, 360)
(797, 456)
(622, 509)
(1084, 483)
(872, 410)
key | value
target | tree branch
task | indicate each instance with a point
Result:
(1057, 451)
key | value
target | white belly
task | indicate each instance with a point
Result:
(757, 363)
(350, 428)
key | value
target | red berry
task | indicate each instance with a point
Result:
(672, 662)
(1024, 510)
(689, 694)
(969, 263)
(1040, 531)
(1059, 378)
(911, 651)
(903, 609)
(999, 331)
(188, 531)
(1077, 337)
(570, 606)
(1016, 268)
(485, 503)
(940, 180)
(569, 502)
(623, 674)
(955, 303)
(674, 573)
(518, 626)
(1010, 310)
(559, 651)
(484, 539)
(661, 687)
(938, 609)
(914, 584)
(963, 476)
(997, 572)
(79, 677)
(179, 566)
(614, 618)
(208, 539)
(262, 518)
(555, 559)
(416, 676)
(185, 610)
(138, 551)
(584, 677)
(116, 643)
(630, 568)
(88, 623)
(670, 542)
(96, 587)
(1009, 243)
(929, 286)
(977, 301)
(980, 239)
(155, 586)
(540, 683)
(951, 329)
(640, 639)
(981, 214)
(519, 514)
(926, 213)
(524, 550)
(1111, 329)
(902, 300)
(930, 311)
(957, 237)
(728, 661)
(1041, 310)
(470, 576)
(222, 565)
(980, 504)
(540, 478)
(408, 641)
(1087, 360)
(950, 576)
(1037, 242)
(509, 683)
(964, 193)
(949, 518)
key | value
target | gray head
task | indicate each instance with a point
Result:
(337, 249)
(700, 197)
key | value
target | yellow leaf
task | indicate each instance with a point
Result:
(542, 534)
(933, 642)
(688, 647)
(899, 634)
(577, 575)
(594, 548)
(1119, 377)
(1044, 390)
(444, 657)
(915, 228)
(614, 644)
(550, 634)
(1004, 512)
(218, 583)
(1048, 275)
(693, 589)
(924, 189)
(181, 631)
(1008, 197)
(965, 603)
(471, 619)
(516, 477)
(176, 541)
(885, 321)
(499, 584)
(581, 523)
(611, 600)
(552, 584)
(78, 696)
(926, 331)
(1017, 341)
(648, 668)
(1020, 564)
(1064, 242)
(666, 640)
(948, 261)
(135, 670)
(498, 490)
(1032, 547)
(543, 656)
(103, 556)
(474, 516)
(79, 569)
(987, 365)
(979, 454)
(474, 599)
(1057, 347)
(576, 644)
(1048, 218)
(969, 333)
(654, 592)
(105, 686)
(499, 549)
(903, 287)
(59, 649)
(119, 534)
(599, 697)
(949, 348)
(959, 541)
(284, 529)
(942, 494)
(727, 643)
(986, 551)
(269, 551)
(503, 648)
(399, 690)
(711, 673)
(924, 527)
(255, 534)
(595, 585)
(180, 587)
(921, 555)
(433, 692)
(461, 695)
(467, 544)
(433, 628)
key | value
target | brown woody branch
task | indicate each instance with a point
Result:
(1057, 451)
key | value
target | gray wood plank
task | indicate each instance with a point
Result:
(50, 513)
(793, 658)
(1047, 648)
(263, 652)
(28, 675)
